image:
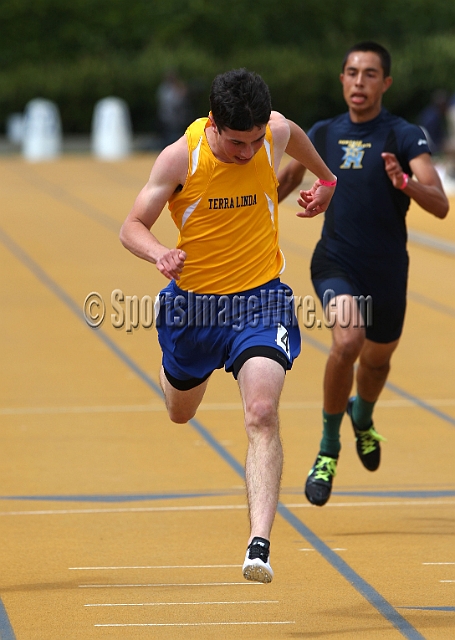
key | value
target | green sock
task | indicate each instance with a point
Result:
(362, 412)
(330, 443)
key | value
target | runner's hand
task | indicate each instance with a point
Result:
(315, 200)
(170, 264)
(393, 169)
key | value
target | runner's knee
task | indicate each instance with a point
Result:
(347, 345)
(261, 414)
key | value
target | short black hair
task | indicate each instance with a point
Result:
(369, 45)
(240, 100)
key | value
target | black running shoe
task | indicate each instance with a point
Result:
(367, 442)
(257, 566)
(318, 486)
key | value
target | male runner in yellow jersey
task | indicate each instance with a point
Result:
(225, 304)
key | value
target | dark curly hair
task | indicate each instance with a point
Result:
(240, 100)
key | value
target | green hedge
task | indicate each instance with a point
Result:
(305, 87)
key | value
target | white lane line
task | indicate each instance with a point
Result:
(132, 408)
(192, 624)
(431, 241)
(123, 510)
(433, 563)
(173, 604)
(176, 566)
(167, 584)
(334, 549)
(214, 406)
(296, 505)
(394, 503)
(447, 581)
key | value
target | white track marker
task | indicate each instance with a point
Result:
(192, 624)
(168, 584)
(392, 503)
(214, 406)
(189, 566)
(173, 604)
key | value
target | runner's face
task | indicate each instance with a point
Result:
(364, 84)
(238, 146)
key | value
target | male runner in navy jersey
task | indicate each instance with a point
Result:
(360, 264)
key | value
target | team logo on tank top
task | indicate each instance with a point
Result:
(354, 151)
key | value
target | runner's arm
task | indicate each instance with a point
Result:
(291, 138)
(290, 177)
(168, 172)
(427, 190)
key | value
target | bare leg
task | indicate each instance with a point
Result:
(347, 342)
(261, 381)
(373, 369)
(181, 405)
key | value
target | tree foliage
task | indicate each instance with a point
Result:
(75, 53)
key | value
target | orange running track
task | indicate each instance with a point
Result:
(116, 523)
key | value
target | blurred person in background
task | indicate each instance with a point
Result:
(433, 121)
(359, 267)
(173, 107)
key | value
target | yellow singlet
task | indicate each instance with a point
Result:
(227, 216)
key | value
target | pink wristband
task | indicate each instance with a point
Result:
(404, 184)
(327, 183)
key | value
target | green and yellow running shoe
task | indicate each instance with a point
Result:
(367, 442)
(318, 486)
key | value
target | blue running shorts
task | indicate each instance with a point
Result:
(200, 333)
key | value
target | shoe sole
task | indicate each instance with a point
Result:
(257, 573)
(314, 502)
